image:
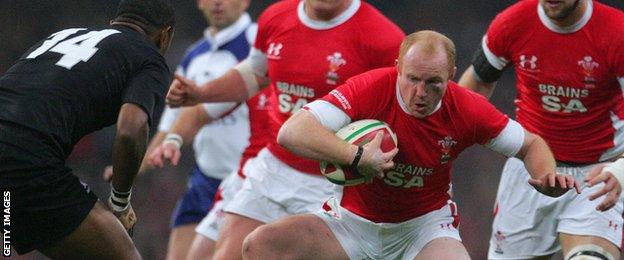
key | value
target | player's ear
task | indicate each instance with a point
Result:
(165, 37)
(452, 73)
(397, 64)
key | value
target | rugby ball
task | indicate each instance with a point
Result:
(360, 133)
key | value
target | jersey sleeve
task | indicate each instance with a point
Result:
(328, 114)
(148, 88)
(495, 43)
(257, 54)
(263, 30)
(509, 141)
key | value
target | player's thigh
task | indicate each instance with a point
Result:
(201, 248)
(443, 248)
(297, 237)
(235, 229)
(180, 241)
(99, 236)
(569, 242)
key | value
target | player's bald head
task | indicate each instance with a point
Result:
(428, 43)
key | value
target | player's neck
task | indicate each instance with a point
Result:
(574, 17)
(131, 25)
(325, 15)
(213, 30)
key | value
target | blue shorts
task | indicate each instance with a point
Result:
(197, 200)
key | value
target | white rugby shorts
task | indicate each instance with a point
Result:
(363, 239)
(527, 223)
(273, 190)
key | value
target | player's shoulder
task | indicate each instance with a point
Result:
(516, 15)
(134, 44)
(609, 11)
(608, 16)
(127, 37)
(373, 21)
(278, 11)
(374, 31)
(199, 47)
(122, 45)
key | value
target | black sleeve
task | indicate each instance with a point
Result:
(482, 67)
(147, 89)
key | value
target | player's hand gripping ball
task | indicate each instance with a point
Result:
(360, 133)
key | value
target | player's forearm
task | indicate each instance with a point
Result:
(128, 151)
(303, 135)
(537, 157)
(229, 87)
(470, 81)
(189, 122)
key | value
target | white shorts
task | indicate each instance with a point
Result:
(211, 224)
(363, 239)
(527, 223)
(273, 190)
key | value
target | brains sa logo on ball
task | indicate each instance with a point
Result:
(359, 133)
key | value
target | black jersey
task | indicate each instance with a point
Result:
(74, 82)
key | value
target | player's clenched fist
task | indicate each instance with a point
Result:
(555, 185)
(374, 161)
(183, 92)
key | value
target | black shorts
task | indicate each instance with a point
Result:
(46, 202)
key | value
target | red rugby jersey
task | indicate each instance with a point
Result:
(567, 78)
(420, 179)
(306, 58)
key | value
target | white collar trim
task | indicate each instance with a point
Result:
(568, 29)
(324, 25)
(404, 106)
(228, 33)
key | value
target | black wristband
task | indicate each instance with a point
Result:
(358, 156)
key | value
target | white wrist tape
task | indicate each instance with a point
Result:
(249, 77)
(175, 139)
(119, 201)
(617, 170)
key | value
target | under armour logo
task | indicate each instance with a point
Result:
(532, 61)
(262, 102)
(274, 50)
(613, 225)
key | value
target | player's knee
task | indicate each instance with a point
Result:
(589, 252)
(266, 241)
(256, 244)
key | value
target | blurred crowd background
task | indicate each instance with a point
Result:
(476, 172)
